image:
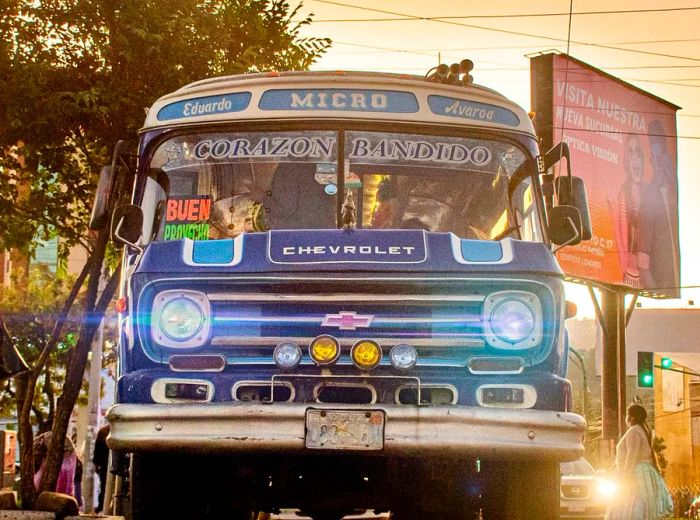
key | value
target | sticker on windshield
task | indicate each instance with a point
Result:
(205, 106)
(402, 148)
(466, 109)
(286, 147)
(187, 217)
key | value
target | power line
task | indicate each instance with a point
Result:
(512, 15)
(506, 31)
(555, 127)
(509, 47)
(642, 42)
(620, 110)
(636, 67)
(662, 82)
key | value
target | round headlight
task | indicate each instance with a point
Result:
(366, 354)
(324, 350)
(607, 489)
(181, 319)
(403, 356)
(512, 321)
(287, 355)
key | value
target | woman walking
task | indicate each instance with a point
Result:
(644, 493)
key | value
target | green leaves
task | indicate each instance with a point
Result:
(75, 76)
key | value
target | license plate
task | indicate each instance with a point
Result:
(577, 508)
(344, 429)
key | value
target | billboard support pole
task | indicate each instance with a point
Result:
(610, 379)
(614, 318)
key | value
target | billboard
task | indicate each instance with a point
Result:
(623, 144)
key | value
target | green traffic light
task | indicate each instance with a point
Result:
(666, 362)
(645, 369)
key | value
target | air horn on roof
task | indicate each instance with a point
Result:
(455, 74)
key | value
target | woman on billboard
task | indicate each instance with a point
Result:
(659, 256)
(629, 201)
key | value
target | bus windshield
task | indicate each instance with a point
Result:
(218, 185)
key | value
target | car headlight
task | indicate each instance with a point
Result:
(606, 488)
(512, 319)
(403, 356)
(287, 355)
(180, 319)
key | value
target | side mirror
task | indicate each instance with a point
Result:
(127, 225)
(565, 225)
(110, 185)
(100, 206)
(571, 191)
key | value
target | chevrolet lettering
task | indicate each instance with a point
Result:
(340, 294)
(362, 250)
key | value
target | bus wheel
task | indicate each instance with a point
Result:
(161, 487)
(522, 491)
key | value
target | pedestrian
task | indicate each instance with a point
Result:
(67, 474)
(644, 493)
(101, 460)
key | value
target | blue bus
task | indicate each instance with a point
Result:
(339, 292)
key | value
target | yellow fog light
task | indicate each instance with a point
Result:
(324, 350)
(366, 354)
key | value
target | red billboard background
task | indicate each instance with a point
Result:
(623, 144)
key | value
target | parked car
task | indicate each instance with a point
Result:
(585, 494)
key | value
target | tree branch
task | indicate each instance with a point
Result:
(63, 315)
(77, 362)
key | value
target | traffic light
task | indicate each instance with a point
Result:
(666, 362)
(645, 369)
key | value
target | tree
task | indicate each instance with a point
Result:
(659, 445)
(75, 76)
(30, 313)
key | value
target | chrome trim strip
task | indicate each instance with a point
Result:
(421, 430)
(529, 397)
(348, 297)
(455, 394)
(266, 384)
(320, 320)
(158, 390)
(282, 278)
(221, 369)
(273, 341)
(332, 384)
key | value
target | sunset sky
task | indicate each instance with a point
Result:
(657, 51)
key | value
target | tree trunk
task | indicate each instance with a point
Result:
(26, 389)
(25, 384)
(94, 312)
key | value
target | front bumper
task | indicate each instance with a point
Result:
(409, 430)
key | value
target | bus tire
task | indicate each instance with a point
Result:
(523, 491)
(161, 487)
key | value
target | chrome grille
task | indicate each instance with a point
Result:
(575, 491)
(442, 327)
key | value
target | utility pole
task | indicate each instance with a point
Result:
(613, 318)
(584, 376)
(93, 412)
